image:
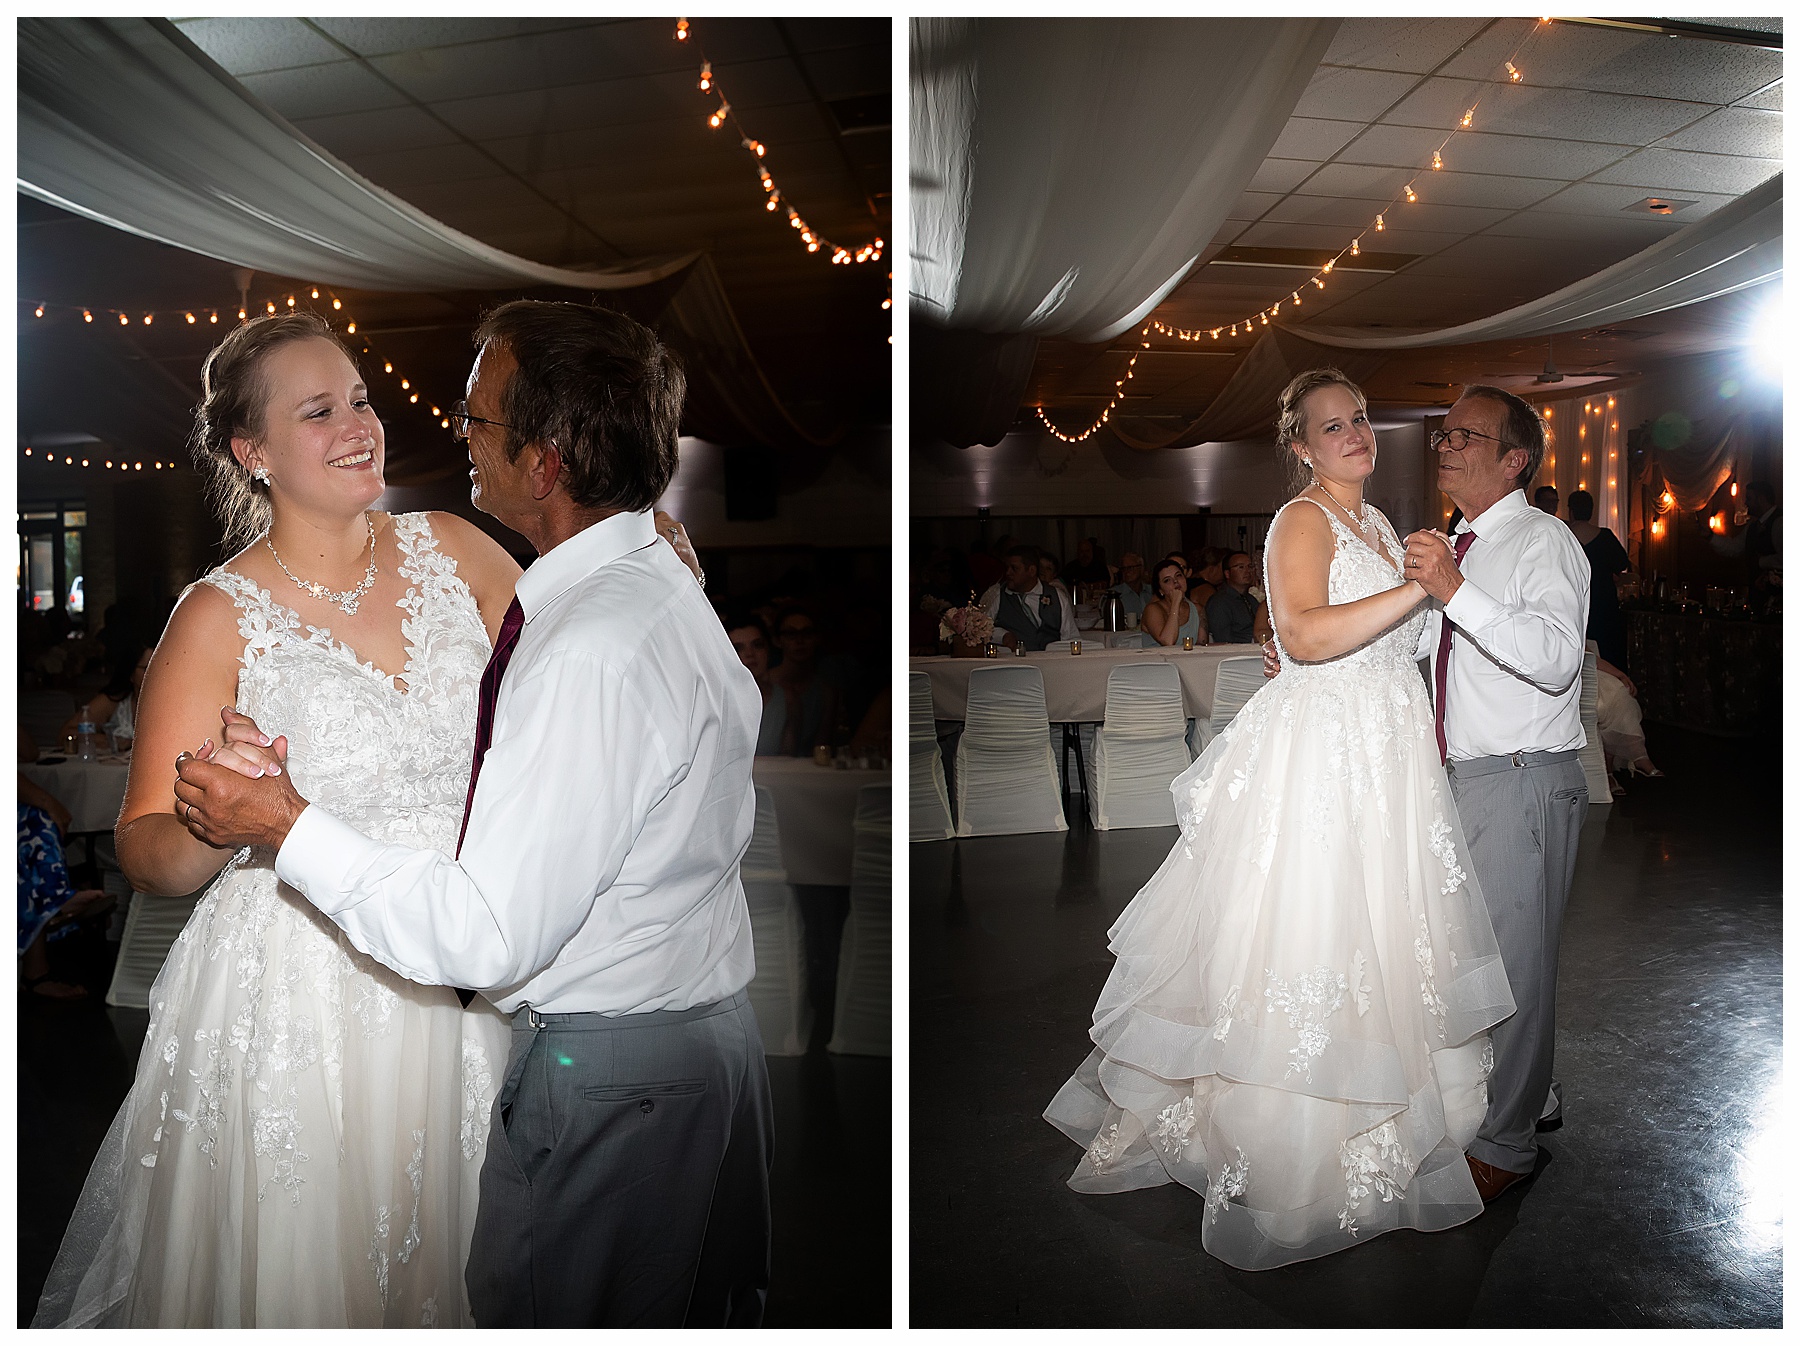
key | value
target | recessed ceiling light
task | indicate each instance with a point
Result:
(1658, 205)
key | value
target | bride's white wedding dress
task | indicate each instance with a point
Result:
(302, 1143)
(1295, 1025)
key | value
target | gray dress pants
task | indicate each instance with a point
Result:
(1522, 816)
(627, 1173)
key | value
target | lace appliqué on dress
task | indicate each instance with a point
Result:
(1308, 1001)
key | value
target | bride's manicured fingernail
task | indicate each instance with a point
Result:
(274, 770)
(263, 739)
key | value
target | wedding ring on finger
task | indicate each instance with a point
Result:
(186, 817)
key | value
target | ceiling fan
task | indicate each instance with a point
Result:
(1552, 375)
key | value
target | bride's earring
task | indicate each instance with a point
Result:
(261, 474)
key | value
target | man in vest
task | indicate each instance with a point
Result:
(1026, 611)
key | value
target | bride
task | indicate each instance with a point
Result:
(303, 1140)
(1295, 1026)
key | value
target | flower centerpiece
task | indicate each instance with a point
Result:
(967, 629)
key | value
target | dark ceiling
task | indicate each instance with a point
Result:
(1545, 189)
(565, 141)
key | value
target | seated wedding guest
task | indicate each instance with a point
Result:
(1205, 575)
(1171, 616)
(1134, 589)
(1231, 612)
(48, 902)
(1089, 565)
(1026, 613)
(1606, 557)
(812, 701)
(1547, 499)
(1049, 572)
(1621, 722)
(750, 638)
(113, 710)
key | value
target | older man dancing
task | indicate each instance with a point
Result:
(1506, 675)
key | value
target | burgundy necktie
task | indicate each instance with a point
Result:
(490, 696)
(1464, 541)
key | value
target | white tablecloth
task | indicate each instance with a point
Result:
(91, 791)
(815, 808)
(1075, 684)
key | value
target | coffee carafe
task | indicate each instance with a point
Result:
(1112, 612)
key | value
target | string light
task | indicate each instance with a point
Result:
(1106, 412)
(810, 238)
(191, 317)
(1408, 193)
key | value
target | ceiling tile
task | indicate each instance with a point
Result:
(1616, 61)
(1635, 231)
(1352, 95)
(1733, 130)
(1379, 185)
(1352, 214)
(1681, 172)
(1312, 138)
(245, 46)
(1598, 198)
(1281, 175)
(1508, 156)
(322, 90)
(1559, 114)
(379, 37)
(1417, 45)
(1769, 98)
(350, 134)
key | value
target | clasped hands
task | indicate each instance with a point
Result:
(237, 792)
(1430, 559)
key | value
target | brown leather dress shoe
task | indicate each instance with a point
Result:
(1491, 1181)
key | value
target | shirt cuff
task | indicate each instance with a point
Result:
(319, 856)
(1473, 609)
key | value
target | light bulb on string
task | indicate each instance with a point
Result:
(1468, 118)
(213, 316)
(406, 383)
(1513, 73)
(290, 301)
(147, 318)
(242, 315)
(1356, 247)
(705, 76)
(387, 366)
(1380, 223)
(351, 328)
(413, 398)
(1437, 159)
(336, 303)
(1410, 194)
(86, 316)
(718, 118)
(124, 321)
(315, 292)
(40, 310)
(271, 306)
(190, 318)
(681, 30)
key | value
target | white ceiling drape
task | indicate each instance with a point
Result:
(1067, 173)
(1734, 248)
(127, 122)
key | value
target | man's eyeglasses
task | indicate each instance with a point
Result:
(1458, 439)
(460, 421)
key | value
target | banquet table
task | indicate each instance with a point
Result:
(1075, 684)
(815, 808)
(92, 791)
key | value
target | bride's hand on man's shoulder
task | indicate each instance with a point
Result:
(671, 531)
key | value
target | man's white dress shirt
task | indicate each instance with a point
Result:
(600, 869)
(1032, 597)
(1520, 619)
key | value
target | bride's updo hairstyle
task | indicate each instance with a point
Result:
(234, 400)
(1290, 428)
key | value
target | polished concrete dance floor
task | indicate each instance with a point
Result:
(1658, 1203)
(832, 1190)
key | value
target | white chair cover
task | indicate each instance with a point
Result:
(151, 927)
(862, 1022)
(1140, 748)
(778, 991)
(930, 813)
(1593, 756)
(1006, 776)
(1237, 680)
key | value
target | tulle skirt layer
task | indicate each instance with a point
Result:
(302, 1143)
(1295, 1026)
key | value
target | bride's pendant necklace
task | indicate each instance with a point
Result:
(349, 598)
(1360, 521)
